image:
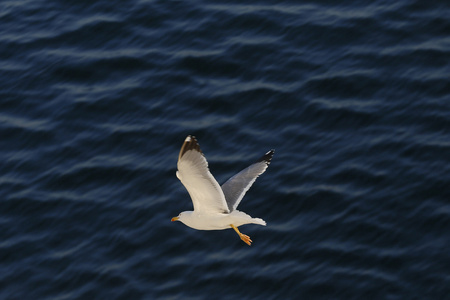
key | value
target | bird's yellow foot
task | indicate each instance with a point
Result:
(246, 239)
(243, 237)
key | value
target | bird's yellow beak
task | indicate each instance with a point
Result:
(175, 219)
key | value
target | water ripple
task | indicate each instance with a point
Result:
(97, 98)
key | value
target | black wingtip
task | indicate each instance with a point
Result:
(267, 158)
(190, 143)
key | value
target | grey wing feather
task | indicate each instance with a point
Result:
(236, 187)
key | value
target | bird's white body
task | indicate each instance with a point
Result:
(205, 221)
(215, 206)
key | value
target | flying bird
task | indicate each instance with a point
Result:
(215, 206)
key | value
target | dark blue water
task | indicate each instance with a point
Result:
(96, 98)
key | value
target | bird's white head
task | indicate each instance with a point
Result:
(182, 216)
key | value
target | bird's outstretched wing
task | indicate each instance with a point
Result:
(236, 187)
(193, 172)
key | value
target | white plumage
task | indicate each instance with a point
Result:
(215, 206)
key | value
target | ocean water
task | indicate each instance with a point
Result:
(96, 98)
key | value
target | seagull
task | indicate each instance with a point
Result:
(215, 206)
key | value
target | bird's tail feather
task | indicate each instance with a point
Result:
(259, 221)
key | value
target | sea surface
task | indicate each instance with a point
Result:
(97, 97)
